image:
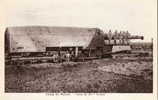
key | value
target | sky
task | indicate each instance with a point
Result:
(139, 17)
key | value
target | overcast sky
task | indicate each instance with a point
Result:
(137, 16)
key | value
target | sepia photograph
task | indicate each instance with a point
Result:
(106, 47)
(74, 60)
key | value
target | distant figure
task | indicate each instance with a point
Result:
(68, 56)
(55, 57)
(109, 36)
(127, 36)
(116, 36)
(124, 38)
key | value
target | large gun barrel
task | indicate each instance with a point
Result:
(136, 37)
(129, 37)
(121, 35)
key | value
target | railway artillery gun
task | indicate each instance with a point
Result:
(120, 43)
(38, 44)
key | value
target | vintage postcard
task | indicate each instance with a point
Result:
(78, 49)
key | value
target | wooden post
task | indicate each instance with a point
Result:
(76, 51)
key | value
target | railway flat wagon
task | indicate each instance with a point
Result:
(44, 43)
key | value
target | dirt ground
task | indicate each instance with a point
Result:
(96, 76)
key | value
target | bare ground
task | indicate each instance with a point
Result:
(97, 76)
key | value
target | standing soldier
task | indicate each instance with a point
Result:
(68, 56)
(109, 36)
(120, 37)
(124, 37)
(115, 37)
(127, 37)
(55, 58)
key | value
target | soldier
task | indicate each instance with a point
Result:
(67, 56)
(120, 37)
(115, 37)
(109, 36)
(55, 58)
(124, 37)
(127, 37)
